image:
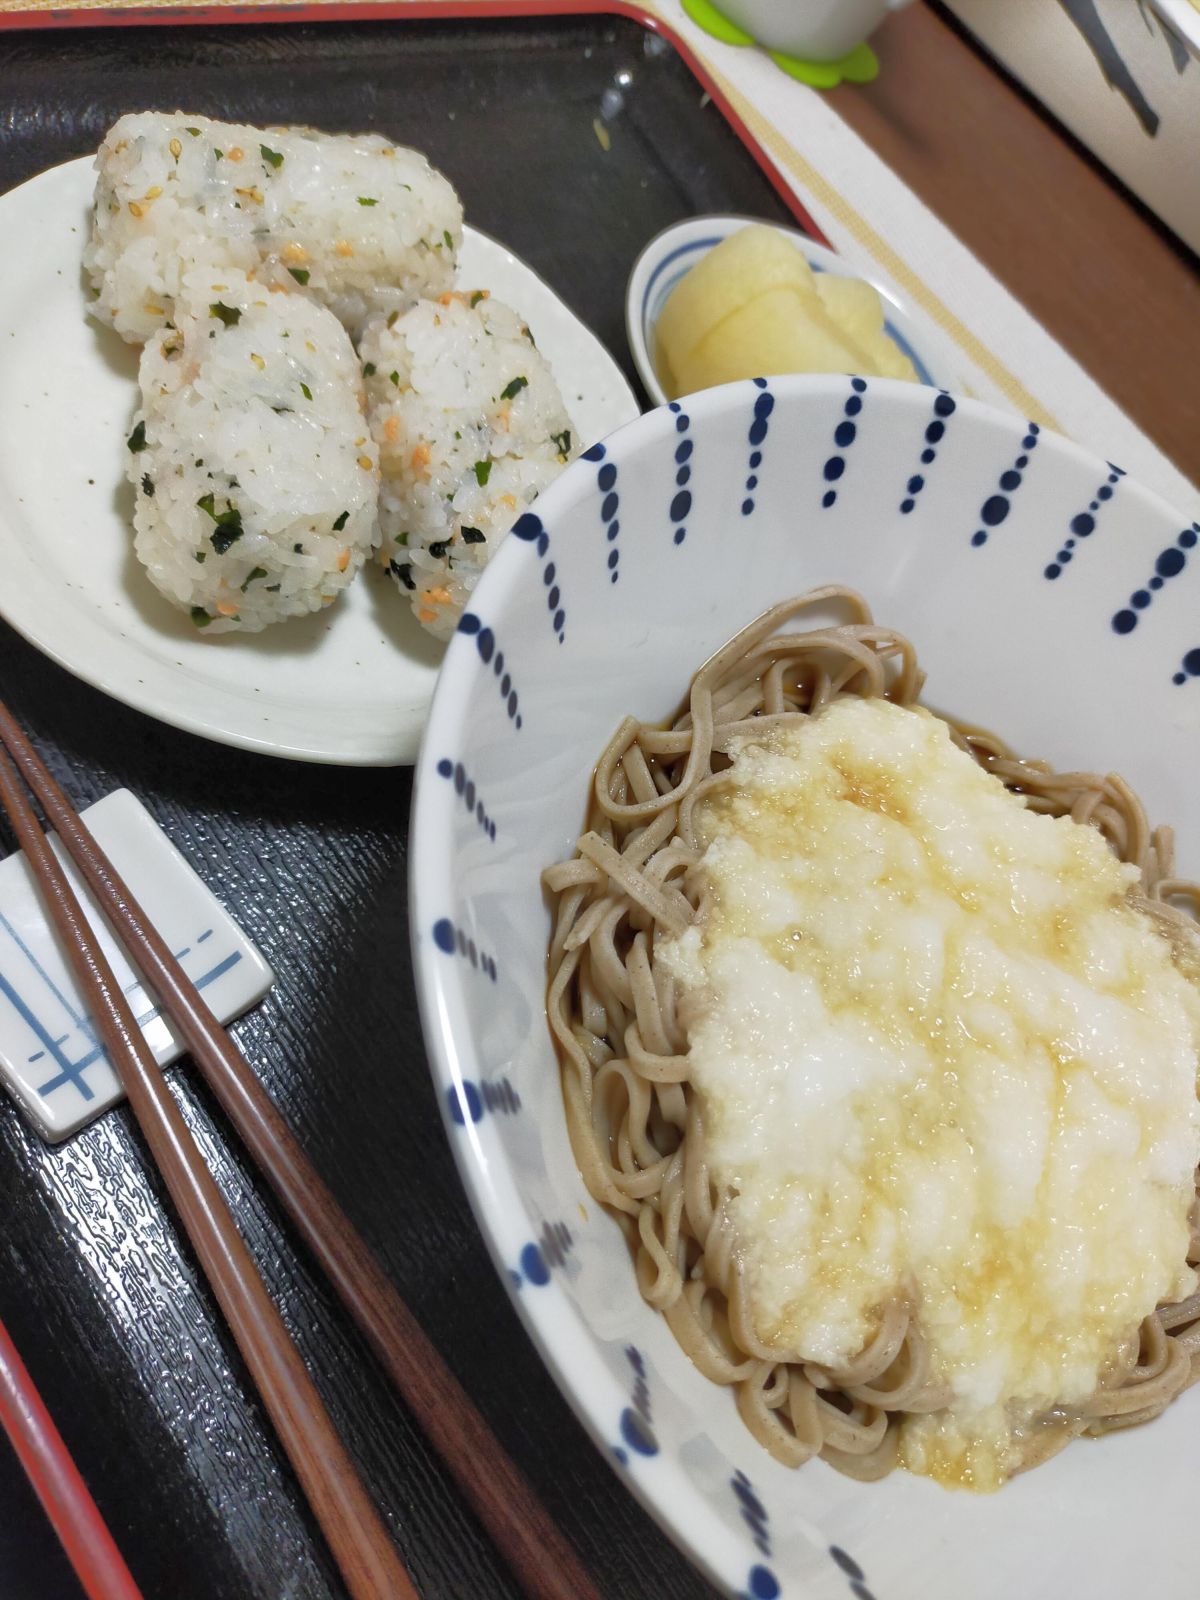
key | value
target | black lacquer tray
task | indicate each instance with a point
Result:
(99, 1295)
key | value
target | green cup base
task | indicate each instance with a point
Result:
(861, 65)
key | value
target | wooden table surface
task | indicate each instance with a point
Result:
(1125, 301)
(1093, 265)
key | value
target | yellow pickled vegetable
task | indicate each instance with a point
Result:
(753, 307)
(775, 332)
(854, 305)
(745, 264)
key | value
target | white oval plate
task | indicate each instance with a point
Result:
(674, 252)
(349, 686)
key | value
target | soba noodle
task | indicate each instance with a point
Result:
(635, 1125)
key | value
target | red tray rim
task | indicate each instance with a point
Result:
(426, 10)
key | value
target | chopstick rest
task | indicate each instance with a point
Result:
(51, 1060)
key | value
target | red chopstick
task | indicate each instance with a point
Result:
(65, 1497)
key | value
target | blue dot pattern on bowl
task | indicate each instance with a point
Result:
(538, 1257)
(454, 941)
(610, 504)
(681, 504)
(944, 408)
(997, 506)
(529, 527)
(533, 1265)
(857, 1577)
(1169, 564)
(1189, 667)
(636, 1424)
(764, 404)
(1083, 523)
(485, 643)
(464, 787)
(761, 1584)
(844, 436)
(753, 1512)
(470, 1102)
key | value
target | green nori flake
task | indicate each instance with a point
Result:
(392, 316)
(200, 556)
(473, 535)
(365, 200)
(229, 315)
(438, 549)
(200, 617)
(137, 439)
(195, 132)
(395, 377)
(199, 461)
(255, 572)
(220, 154)
(229, 523)
(301, 275)
(511, 390)
(449, 238)
(271, 157)
(282, 411)
(225, 537)
(368, 369)
(563, 441)
(306, 391)
(298, 549)
(340, 522)
(479, 295)
(483, 471)
(529, 335)
(402, 538)
(273, 588)
(148, 485)
(403, 571)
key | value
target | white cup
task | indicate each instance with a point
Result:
(813, 30)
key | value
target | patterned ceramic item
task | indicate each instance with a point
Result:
(349, 686)
(51, 1061)
(1052, 600)
(675, 251)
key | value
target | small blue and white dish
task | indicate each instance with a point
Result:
(671, 254)
(1051, 600)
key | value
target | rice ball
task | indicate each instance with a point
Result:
(471, 428)
(358, 223)
(255, 473)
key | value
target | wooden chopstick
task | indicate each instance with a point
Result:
(519, 1525)
(357, 1538)
(65, 1498)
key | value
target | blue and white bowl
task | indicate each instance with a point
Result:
(1051, 600)
(672, 254)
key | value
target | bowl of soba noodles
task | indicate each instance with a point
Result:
(805, 919)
